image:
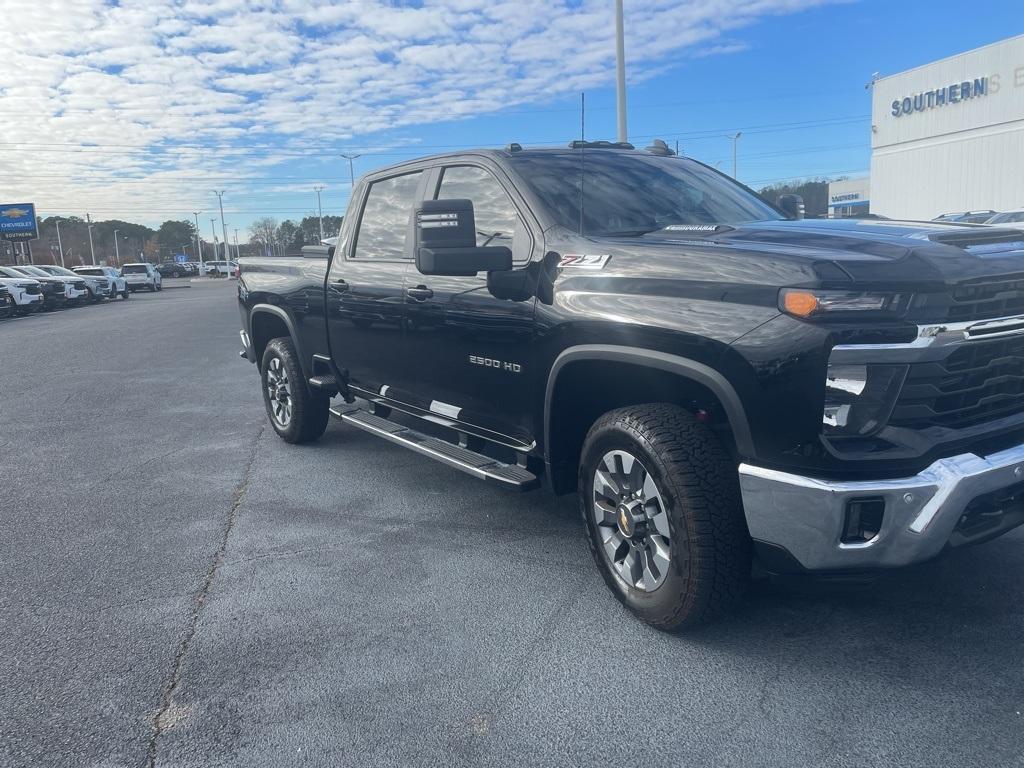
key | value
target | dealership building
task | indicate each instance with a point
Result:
(945, 137)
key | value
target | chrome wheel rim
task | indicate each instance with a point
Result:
(279, 392)
(631, 521)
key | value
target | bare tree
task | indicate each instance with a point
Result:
(264, 232)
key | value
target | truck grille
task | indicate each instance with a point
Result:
(977, 301)
(976, 383)
(33, 290)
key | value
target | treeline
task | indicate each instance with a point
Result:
(137, 242)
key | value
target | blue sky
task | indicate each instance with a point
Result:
(139, 110)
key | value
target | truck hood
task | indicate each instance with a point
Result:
(870, 250)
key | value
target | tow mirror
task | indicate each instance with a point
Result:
(443, 237)
(791, 205)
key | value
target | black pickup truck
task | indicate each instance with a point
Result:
(720, 380)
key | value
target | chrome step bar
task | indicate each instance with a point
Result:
(478, 465)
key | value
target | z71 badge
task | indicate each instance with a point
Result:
(584, 260)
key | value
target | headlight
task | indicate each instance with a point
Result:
(811, 304)
(859, 398)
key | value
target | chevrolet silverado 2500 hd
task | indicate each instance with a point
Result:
(718, 379)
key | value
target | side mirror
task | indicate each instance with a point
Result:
(791, 205)
(443, 237)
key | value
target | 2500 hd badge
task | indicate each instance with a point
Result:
(490, 362)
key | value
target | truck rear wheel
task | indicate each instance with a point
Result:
(296, 414)
(661, 502)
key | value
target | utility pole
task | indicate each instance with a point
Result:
(224, 229)
(320, 208)
(238, 255)
(351, 172)
(620, 71)
(60, 245)
(735, 141)
(117, 251)
(199, 244)
(92, 251)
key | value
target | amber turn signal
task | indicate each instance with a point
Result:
(799, 303)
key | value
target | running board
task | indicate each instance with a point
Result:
(476, 464)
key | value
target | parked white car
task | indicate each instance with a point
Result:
(26, 293)
(142, 275)
(118, 285)
(219, 268)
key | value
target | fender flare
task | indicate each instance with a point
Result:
(700, 373)
(270, 309)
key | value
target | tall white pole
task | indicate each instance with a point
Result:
(92, 251)
(620, 71)
(351, 171)
(60, 245)
(735, 142)
(224, 229)
(238, 255)
(320, 208)
(213, 230)
(117, 251)
(199, 244)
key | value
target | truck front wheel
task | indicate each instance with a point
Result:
(296, 414)
(660, 499)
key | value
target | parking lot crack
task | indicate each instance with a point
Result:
(169, 712)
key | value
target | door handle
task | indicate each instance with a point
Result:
(419, 293)
(339, 284)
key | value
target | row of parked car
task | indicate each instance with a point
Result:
(37, 288)
(190, 268)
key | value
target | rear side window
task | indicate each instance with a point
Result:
(492, 208)
(385, 219)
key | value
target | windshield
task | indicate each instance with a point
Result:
(633, 193)
(59, 271)
(33, 271)
(89, 272)
(11, 272)
(134, 269)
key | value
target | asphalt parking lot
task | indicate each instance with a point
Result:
(180, 587)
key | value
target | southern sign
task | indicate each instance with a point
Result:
(18, 221)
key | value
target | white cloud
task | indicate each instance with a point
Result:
(257, 82)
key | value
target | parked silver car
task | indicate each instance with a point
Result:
(118, 285)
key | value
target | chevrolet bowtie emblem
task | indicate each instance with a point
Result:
(14, 213)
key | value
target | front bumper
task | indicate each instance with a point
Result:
(923, 514)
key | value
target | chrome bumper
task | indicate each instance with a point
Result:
(806, 515)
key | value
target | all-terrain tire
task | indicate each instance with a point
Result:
(309, 410)
(699, 487)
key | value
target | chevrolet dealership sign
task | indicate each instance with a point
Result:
(18, 221)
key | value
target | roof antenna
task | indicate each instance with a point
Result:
(583, 141)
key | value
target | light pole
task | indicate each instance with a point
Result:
(224, 229)
(735, 141)
(213, 230)
(351, 173)
(92, 251)
(117, 251)
(620, 71)
(320, 208)
(199, 244)
(60, 245)
(238, 255)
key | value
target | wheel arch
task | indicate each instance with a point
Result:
(668, 378)
(265, 323)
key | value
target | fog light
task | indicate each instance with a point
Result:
(863, 520)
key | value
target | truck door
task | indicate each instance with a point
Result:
(469, 351)
(364, 286)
